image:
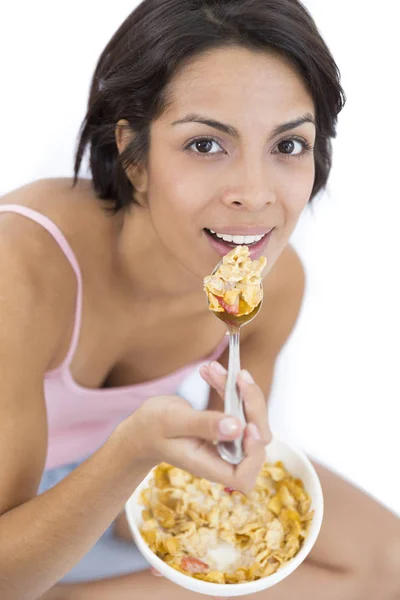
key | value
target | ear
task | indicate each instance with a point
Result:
(137, 174)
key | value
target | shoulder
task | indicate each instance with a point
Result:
(283, 297)
(38, 189)
(56, 198)
(75, 210)
(36, 278)
(26, 239)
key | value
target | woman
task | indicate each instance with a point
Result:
(208, 121)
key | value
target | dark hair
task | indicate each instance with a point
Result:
(161, 36)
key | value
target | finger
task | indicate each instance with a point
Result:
(215, 375)
(248, 470)
(207, 463)
(184, 421)
(155, 573)
(255, 405)
(202, 460)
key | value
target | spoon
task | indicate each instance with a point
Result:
(232, 452)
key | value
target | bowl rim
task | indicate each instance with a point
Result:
(248, 587)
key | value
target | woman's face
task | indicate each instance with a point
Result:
(232, 156)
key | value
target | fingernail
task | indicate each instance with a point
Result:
(218, 368)
(228, 427)
(254, 433)
(247, 378)
(155, 573)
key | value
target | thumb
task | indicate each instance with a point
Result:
(184, 421)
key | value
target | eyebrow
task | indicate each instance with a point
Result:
(233, 132)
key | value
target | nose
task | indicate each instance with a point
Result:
(251, 187)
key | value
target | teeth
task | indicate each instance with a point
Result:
(226, 238)
(238, 239)
(252, 239)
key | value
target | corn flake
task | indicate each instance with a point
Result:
(236, 284)
(218, 535)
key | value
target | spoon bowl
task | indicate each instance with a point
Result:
(234, 321)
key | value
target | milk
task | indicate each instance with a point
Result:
(224, 557)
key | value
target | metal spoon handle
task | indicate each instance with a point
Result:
(232, 452)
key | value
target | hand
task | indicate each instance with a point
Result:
(168, 429)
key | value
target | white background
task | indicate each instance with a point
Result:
(337, 387)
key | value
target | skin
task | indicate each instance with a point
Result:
(248, 181)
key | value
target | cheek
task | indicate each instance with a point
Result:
(175, 201)
(296, 190)
(175, 189)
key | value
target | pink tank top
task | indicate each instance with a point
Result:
(81, 419)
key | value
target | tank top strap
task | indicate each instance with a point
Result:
(65, 247)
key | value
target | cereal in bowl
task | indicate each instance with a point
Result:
(219, 535)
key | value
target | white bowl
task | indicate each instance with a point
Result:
(297, 464)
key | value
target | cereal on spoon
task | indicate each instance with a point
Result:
(236, 285)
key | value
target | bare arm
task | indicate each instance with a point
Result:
(43, 537)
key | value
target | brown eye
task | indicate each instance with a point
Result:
(286, 147)
(204, 146)
(291, 147)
